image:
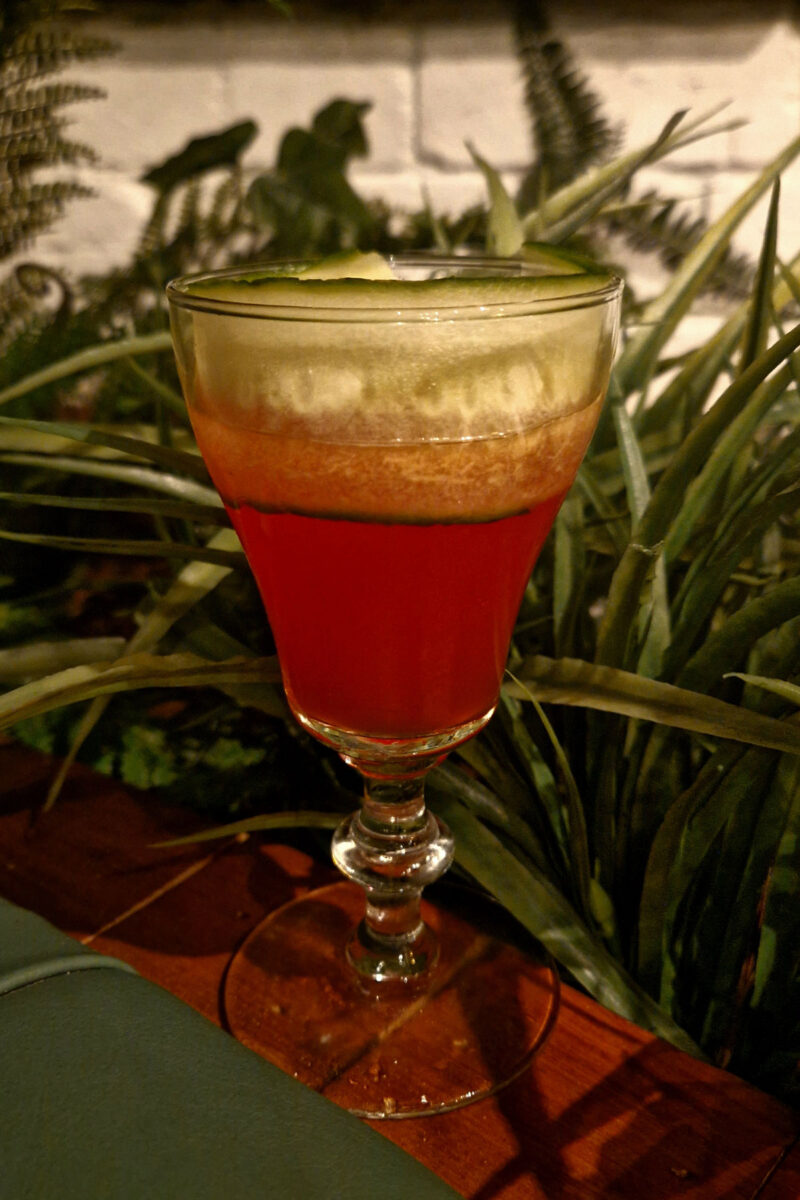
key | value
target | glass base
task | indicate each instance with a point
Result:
(403, 1047)
(390, 758)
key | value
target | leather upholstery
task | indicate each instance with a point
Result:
(112, 1088)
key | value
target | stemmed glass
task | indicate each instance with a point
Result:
(392, 453)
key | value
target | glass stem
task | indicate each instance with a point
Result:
(393, 848)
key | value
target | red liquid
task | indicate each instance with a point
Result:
(392, 630)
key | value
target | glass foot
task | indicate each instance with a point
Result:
(400, 1048)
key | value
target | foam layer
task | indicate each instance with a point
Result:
(475, 480)
(403, 381)
(436, 399)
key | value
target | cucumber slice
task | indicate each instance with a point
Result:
(349, 264)
(333, 285)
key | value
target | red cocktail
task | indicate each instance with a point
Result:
(392, 453)
(391, 619)
(396, 630)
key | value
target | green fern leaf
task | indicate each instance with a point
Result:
(570, 131)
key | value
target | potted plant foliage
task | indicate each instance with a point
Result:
(635, 800)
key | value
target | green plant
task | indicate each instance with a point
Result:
(644, 825)
(36, 43)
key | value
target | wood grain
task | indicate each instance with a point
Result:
(607, 1110)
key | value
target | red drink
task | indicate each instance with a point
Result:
(392, 630)
(392, 574)
(392, 453)
(392, 445)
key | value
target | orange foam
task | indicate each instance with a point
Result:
(475, 479)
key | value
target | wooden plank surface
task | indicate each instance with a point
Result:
(783, 1182)
(606, 1110)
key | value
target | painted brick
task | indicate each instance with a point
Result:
(170, 83)
(471, 89)
(163, 88)
(694, 330)
(432, 86)
(449, 192)
(281, 73)
(278, 95)
(644, 71)
(344, 40)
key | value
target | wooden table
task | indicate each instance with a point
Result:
(606, 1110)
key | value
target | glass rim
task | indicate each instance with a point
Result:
(601, 287)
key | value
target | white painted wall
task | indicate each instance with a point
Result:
(433, 84)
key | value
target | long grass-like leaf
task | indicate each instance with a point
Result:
(776, 472)
(88, 360)
(570, 815)
(490, 807)
(614, 523)
(167, 395)
(118, 472)
(195, 581)
(754, 341)
(610, 177)
(303, 818)
(776, 966)
(205, 514)
(541, 778)
(569, 681)
(708, 576)
(128, 674)
(626, 584)
(138, 547)
(588, 208)
(728, 646)
(689, 390)
(504, 236)
(488, 760)
(180, 461)
(743, 867)
(38, 658)
(634, 471)
(662, 316)
(544, 912)
(705, 490)
(656, 887)
(684, 397)
(698, 836)
(569, 567)
(653, 618)
(777, 687)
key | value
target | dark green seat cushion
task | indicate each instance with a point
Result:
(31, 949)
(114, 1089)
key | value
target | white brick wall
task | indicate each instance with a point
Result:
(434, 83)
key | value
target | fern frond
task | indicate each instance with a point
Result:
(42, 147)
(653, 224)
(189, 214)
(23, 107)
(37, 43)
(226, 210)
(29, 209)
(30, 297)
(153, 235)
(570, 131)
(44, 49)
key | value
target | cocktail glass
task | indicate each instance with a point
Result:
(392, 453)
